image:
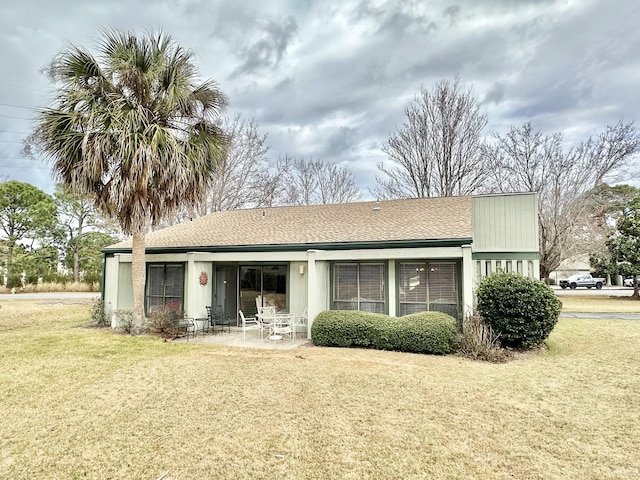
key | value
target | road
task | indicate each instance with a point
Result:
(608, 291)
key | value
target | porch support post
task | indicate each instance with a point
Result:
(392, 288)
(190, 286)
(467, 281)
(313, 302)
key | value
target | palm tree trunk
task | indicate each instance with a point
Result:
(138, 277)
(76, 265)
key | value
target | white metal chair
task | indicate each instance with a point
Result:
(249, 323)
(301, 321)
(266, 315)
(283, 325)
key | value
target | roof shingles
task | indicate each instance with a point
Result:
(394, 220)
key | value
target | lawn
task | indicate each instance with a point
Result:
(590, 303)
(81, 402)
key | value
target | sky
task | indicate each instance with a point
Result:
(330, 80)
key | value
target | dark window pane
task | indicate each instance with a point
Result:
(165, 283)
(345, 283)
(371, 282)
(428, 286)
(359, 286)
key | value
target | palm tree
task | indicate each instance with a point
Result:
(134, 130)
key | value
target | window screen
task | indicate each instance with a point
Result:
(359, 286)
(428, 287)
(165, 285)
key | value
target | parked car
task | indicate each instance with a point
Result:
(628, 282)
(583, 280)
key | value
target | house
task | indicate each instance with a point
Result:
(576, 265)
(394, 257)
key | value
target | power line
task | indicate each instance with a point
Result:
(19, 118)
(22, 167)
(13, 131)
(17, 106)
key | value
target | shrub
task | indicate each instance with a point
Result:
(98, 314)
(479, 342)
(124, 320)
(426, 332)
(159, 321)
(522, 311)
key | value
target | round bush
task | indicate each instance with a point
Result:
(425, 332)
(521, 310)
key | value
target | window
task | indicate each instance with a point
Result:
(165, 285)
(428, 287)
(359, 286)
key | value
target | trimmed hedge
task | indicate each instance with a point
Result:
(522, 311)
(424, 332)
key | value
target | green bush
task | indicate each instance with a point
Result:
(425, 332)
(522, 311)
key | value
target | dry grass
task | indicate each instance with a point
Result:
(589, 304)
(87, 403)
(55, 287)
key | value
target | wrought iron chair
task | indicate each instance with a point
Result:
(182, 326)
(216, 317)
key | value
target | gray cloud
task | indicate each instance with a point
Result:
(267, 50)
(330, 79)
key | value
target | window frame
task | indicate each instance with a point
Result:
(457, 266)
(358, 263)
(148, 283)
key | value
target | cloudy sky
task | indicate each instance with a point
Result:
(330, 79)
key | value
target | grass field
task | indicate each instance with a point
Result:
(589, 303)
(81, 402)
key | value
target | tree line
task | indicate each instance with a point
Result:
(441, 150)
(52, 238)
(138, 134)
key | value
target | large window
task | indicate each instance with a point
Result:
(359, 286)
(165, 285)
(426, 286)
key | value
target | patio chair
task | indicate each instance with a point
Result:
(216, 317)
(182, 326)
(249, 323)
(282, 326)
(301, 321)
(266, 315)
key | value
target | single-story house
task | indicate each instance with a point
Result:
(576, 265)
(394, 257)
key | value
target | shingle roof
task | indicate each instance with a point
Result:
(391, 220)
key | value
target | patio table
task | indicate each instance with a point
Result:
(205, 324)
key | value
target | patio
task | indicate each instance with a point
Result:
(234, 338)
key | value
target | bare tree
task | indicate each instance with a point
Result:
(524, 160)
(238, 177)
(439, 150)
(336, 184)
(243, 178)
(314, 181)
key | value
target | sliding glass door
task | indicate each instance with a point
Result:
(263, 285)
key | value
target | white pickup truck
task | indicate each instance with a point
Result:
(575, 281)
